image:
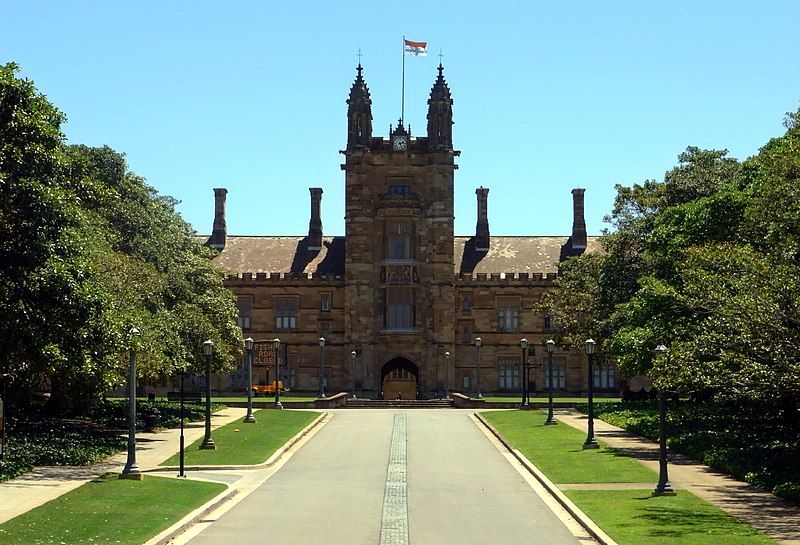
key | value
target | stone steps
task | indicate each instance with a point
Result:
(399, 404)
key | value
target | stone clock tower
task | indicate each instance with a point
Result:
(399, 288)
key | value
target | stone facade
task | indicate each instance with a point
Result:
(400, 299)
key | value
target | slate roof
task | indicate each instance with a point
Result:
(531, 254)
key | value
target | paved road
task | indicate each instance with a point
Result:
(387, 477)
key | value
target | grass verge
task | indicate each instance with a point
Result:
(748, 442)
(543, 400)
(247, 444)
(109, 510)
(558, 451)
(633, 517)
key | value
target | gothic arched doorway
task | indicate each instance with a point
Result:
(399, 377)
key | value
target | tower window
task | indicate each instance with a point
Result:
(399, 308)
(465, 304)
(399, 240)
(400, 190)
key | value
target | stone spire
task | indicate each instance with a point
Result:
(359, 114)
(440, 115)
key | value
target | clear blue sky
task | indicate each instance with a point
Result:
(548, 95)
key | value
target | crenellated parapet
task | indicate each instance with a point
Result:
(266, 279)
(508, 278)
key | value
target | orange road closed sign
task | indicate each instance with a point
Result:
(264, 355)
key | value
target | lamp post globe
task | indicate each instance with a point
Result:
(131, 469)
(321, 342)
(589, 346)
(249, 344)
(550, 347)
(663, 488)
(276, 343)
(523, 344)
(478, 345)
(208, 352)
(447, 375)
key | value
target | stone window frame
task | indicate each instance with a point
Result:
(508, 367)
(604, 377)
(406, 229)
(466, 305)
(285, 309)
(325, 300)
(559, 372)
(393, 322)
(509, 314)
(244, 321)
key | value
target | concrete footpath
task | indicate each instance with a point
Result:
(763, 510)
(17, 496)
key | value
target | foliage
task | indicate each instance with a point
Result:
(38, 441)
(167, 414)
(100, 511)
(89, 250)
(747, 441)
(706, 262)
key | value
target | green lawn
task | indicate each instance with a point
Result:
(557, 451)
(633, 517)
(246, 444)
(540, 400)
(261, 398)
(109, 510)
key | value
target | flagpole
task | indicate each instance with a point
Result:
(403, 90)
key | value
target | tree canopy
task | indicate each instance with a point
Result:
(706, 262)
(89, 250)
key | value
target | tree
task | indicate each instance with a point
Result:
(89, 250)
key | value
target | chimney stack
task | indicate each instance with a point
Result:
(578, 221)
(315, 225)
(219, 233)
(482, 227)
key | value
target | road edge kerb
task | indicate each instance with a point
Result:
(270, 461)
(588, 524)
(192, 518)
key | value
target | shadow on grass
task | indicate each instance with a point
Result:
(673, 521)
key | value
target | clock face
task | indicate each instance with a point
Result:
(400, 143)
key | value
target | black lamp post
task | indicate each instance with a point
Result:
(663, 488)
(181, 457)
(353, 355)
(277, 344)
(591, 442)
(478, 345)
(523, 344)
(447, 375)
(208, 442)
(131, 470)
(322, 367)
(249, 344)
(3, 403)
(550, 346)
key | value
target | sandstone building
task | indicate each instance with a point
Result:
(399, 299)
